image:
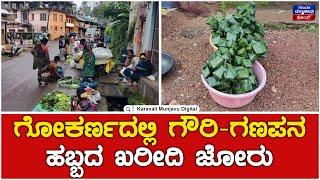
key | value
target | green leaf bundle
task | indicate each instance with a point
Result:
(239, 38)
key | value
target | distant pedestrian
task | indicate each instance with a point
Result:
(41, 61)
(67, 48)
(21, 40)
(61, 48)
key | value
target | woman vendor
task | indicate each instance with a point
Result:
(89, 60)
(41, 61)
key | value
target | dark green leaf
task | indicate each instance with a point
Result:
(212, 22)
(246, 63)
(250, 71)
(224, 86)
(257, 36)
(241, 51)
(243, 74)
(218, 74)
(249, 48)
(252, 57)
(213, 82)
(226, 56)
(243, 42)
(231, 37)
(258, 47)
(223, 50)
(215, 40)
(232, 51)
(206, 72)
(223, 25)
(230, 74)
(222, 42)
(216, 62)
(238, 60)
(229, 44)
(247, 31)
(253, 80)
(238, 68)
(246, 85)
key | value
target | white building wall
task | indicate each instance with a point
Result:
(36, 23)
(19, 16)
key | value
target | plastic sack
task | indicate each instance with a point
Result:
(95, 97)
(78, 55)
(102, 53)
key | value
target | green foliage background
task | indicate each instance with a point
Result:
(116, 16)
(117, 13)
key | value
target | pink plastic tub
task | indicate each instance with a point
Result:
(238, 100)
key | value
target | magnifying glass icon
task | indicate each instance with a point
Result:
(127, 109)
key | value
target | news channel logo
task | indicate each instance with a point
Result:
(304, 12)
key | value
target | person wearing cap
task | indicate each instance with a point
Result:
(41, 60)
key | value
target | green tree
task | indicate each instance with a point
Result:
(86, 8)
(116, 16)
(117, 13)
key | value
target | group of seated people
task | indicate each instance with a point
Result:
(135, 67)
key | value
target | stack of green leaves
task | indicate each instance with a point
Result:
(56, 101)
(239, 38)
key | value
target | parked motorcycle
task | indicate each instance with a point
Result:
(16, 50)
(13, 50)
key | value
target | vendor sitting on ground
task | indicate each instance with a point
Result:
(143, 68)
(56, 72)
(130, 61)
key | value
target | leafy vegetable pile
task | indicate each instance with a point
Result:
(239, 38)
(56, 101)
(68, 83)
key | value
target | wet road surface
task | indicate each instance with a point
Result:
(20, 90)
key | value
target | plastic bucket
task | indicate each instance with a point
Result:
(238, 100)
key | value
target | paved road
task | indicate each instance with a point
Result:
(20, 91)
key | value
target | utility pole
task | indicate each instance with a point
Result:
(48, 18)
